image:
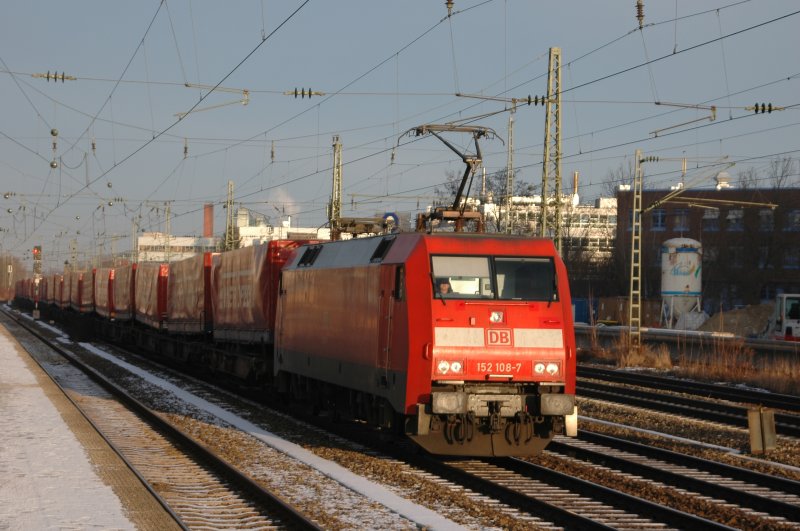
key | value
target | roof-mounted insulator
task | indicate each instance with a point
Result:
(640, 12)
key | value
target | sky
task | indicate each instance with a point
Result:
(143, 142)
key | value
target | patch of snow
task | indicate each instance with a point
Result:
(47, 479)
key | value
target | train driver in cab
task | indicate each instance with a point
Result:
(443, 288)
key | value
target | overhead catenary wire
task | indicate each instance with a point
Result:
(590, 52)
(684, 50)
(290, 159)
(140, 148)
(155, 136)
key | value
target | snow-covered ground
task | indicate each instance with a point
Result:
(46, 478)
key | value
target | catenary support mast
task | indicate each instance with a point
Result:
(551, 164)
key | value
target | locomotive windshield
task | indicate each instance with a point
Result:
(488, 277)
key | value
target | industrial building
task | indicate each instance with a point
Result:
(751, 251)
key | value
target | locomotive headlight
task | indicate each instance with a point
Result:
(552, 369)
(496, 316)
(449, 367)
(538, 367)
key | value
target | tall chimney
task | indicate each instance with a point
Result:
(208, 220)
(575, 182)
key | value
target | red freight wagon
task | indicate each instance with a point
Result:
(19, 289)
(29, 289)
(81, 291)
(104, 292)
(151, 293)
(113, 292)
(43, 287)
(245, 288)
(189, 295)
(482, 366)
(62, 292)
(53, 286)
(58, 290)
(124, 288)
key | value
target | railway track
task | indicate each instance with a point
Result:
(710, 390)
(537, 495)
(603, 483)
(761, 495)
(599, 482)
(646, 498)
(562, 500)
(195, 485)
(729, 407)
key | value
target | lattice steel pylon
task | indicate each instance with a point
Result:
(551, 164)
(230, 229)
(510, 170)
(335, 208)
(635, 303)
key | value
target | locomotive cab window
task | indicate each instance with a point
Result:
(529, 279)
(485, 277)
(462, 277)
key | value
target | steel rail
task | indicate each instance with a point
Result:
(673, 517)
(678, 480)
(680, 385)
(704, 409)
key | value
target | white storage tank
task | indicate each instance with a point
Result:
(681, 278)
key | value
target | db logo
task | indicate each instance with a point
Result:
(498, 337)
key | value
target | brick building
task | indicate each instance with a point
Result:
(750, 252)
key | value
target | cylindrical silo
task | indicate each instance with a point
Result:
(681, 276)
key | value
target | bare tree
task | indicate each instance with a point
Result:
(495, 188)
(623, 174)
(448, 189)
(748, 179)
(780, 172)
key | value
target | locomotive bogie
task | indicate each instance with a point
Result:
(469, 435)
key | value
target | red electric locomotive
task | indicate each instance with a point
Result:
(466, 341)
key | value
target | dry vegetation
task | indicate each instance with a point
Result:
(733, 361)
(720, 360)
